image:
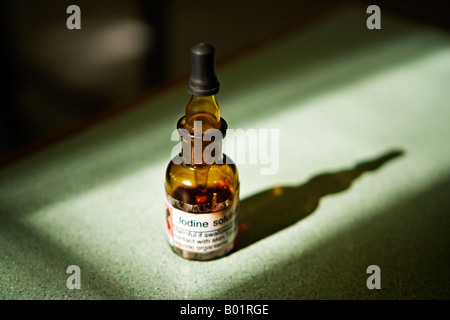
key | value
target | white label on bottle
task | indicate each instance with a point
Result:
(201, 232)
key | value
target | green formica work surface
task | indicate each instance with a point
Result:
(363, 178)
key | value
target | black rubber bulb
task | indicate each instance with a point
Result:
(203, 80)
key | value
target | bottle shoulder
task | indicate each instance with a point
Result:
(215, 177)
(226, 165)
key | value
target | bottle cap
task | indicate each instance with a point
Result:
(203, 80)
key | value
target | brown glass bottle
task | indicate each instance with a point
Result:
(202, 185)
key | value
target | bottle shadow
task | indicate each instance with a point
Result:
(272, 210)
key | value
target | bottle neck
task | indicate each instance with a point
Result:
(196, 151)
(204, 131)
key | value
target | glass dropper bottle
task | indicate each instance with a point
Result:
(202, 185)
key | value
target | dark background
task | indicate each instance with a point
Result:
(55, 78)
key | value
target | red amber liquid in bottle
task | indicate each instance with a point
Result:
(202, 185)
